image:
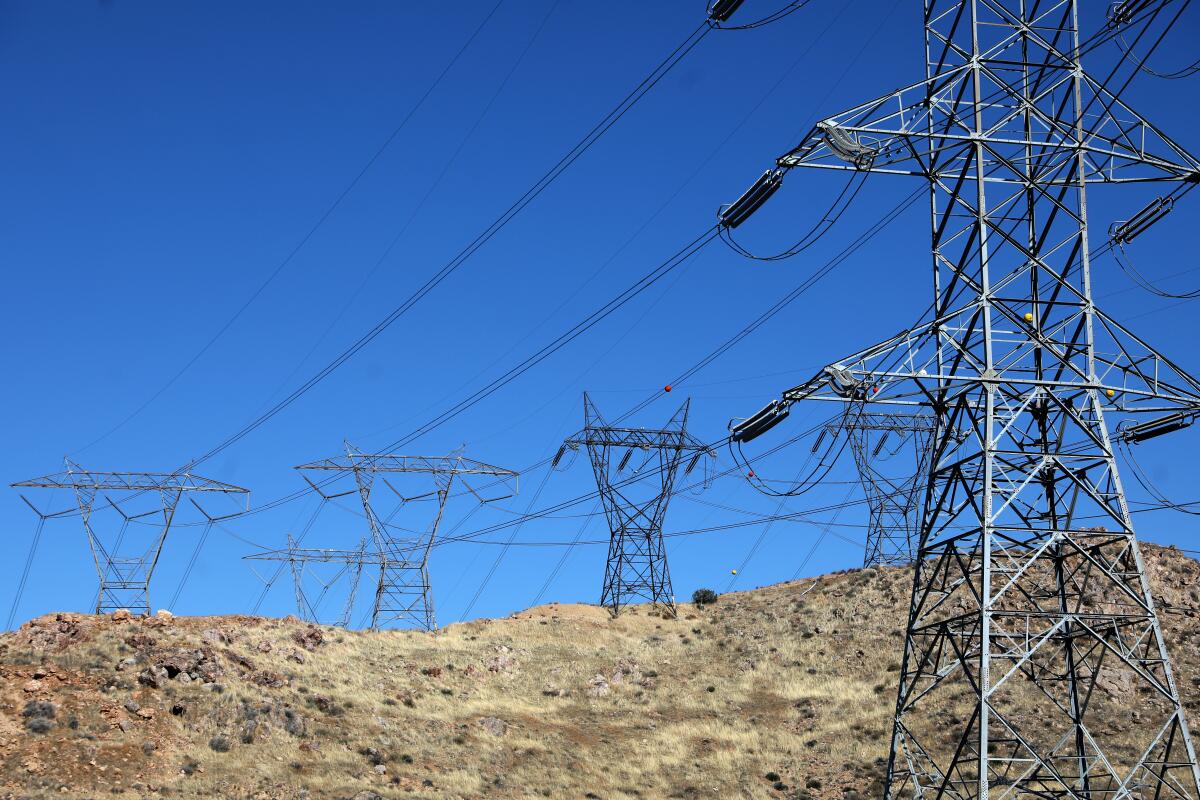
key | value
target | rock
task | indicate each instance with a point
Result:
(367, 795)
(121, 615)
(501, 663)
(296, 656)
(598, 686)
(132, 706)
(215, 636)
(200, 663)
(30, 687)
(380, 769)
(146, 713)
(162, 613)
(264, 646)
(272, 680)
(148, 678)
(310, 638)
(494, 725)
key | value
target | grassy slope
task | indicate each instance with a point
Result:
(794, 681)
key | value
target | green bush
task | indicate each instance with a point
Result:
(704, 597)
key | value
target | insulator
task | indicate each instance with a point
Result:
(1124, 12)
(751, 200)
(692, 463)
(843, 382)
(882, 441)
(820, 438)
(845, 146)
(722, 10)
(1158, 427)
(768, 417)
(1128, 230)
(625, 459)
(558, 456)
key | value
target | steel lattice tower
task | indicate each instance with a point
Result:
(895, 492)
(635, 505)
(1032, 628)
(352, 563)
(404, 593)
(125, 577)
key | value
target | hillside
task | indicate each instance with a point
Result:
(783, 691)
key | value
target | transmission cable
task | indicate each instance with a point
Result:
(539, 186)
(306, 237)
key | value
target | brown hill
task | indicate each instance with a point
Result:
(784, 691)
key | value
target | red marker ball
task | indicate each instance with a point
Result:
(751, 475)
(667, 388)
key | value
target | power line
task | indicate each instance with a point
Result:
(305, 238)
(539, 186)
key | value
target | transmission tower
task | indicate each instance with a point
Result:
(1032, 627)
(404, 594)
(635, 504)
(895, 491)
(140, 507)
(300, 559)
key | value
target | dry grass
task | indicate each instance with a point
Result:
(795, 682)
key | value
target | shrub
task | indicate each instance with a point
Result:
(39, 724)
(704, 597)
(42, 709)
(219, 744)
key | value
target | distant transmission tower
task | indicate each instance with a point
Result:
(634, 504)
(300, 559)
(136, 516)
(403, 594)
(1032, 632)
(895, 491)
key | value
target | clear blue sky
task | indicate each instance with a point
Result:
(160, 160)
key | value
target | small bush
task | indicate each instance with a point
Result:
(39, 709)
(219, 744)
(39, 724)
(704, 597)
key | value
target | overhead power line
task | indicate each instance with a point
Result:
(304, 240)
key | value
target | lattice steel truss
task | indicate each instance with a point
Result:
(300, 560)
(403, 593)
(1032, 633)
(125, 578)
(895, 491)
(635, 505)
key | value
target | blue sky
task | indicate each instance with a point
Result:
(163, 159)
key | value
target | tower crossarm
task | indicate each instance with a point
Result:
(314, 555)
(638, 437)
(390, 462)
(86, 480)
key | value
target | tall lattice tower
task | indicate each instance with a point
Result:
(634, 492)
(403, 593)
(891, 451)
(126, 517)
(1032, 632)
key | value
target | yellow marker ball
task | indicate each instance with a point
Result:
(1028, 316)
(1109, 392)
(733, 572)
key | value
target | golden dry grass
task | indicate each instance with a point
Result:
(795, 681)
